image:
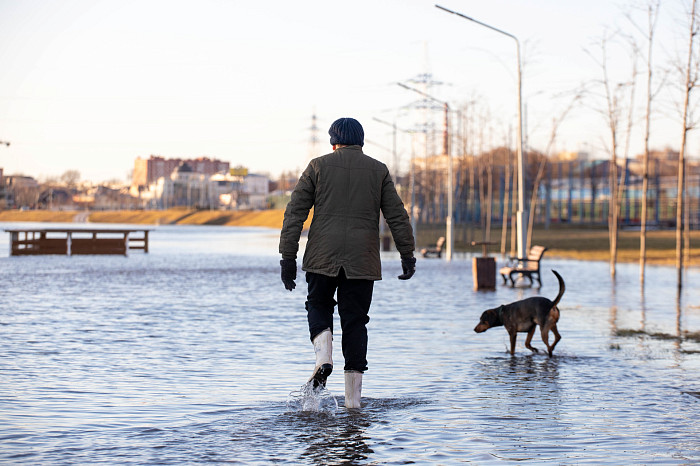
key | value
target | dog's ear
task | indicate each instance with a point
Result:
(496, 314)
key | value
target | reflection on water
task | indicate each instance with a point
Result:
(189, 353)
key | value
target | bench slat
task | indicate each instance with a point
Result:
(529, 266)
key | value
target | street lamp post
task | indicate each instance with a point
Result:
(412, 179)
(393, 147)
(446, 148)
(521, 218)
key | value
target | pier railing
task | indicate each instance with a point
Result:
(67, 241)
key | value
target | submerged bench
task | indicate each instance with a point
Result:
(70, 241)
(434, 251)
(524, 266)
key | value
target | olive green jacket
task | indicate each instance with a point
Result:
(347, 189)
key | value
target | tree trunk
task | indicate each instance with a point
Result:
(681, 154)
(613, 212)
(513, 216)
(489, 196)
(652, 15)
(506, 202)
(533, 202)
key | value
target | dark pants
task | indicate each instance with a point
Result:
(354, 299)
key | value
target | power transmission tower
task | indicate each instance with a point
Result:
(427, 106)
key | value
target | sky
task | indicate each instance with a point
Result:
(90, 85)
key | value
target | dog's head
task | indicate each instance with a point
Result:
(489, 318)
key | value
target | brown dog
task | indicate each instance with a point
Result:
(525, 316)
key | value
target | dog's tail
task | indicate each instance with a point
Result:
(562, 288)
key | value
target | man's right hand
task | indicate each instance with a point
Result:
(289, 273)
(408, 264)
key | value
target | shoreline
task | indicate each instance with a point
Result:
(262, 218)
(566, 242)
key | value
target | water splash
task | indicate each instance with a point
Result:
(310, 399)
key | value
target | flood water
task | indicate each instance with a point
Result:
(188, 355)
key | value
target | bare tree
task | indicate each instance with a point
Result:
(489, 195)
(484, 170)
(70, 178)
(614, 96)
(26, 195)
(652, 10)
(506, 200)
(691, 76)
(513, 213)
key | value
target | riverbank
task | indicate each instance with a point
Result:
(263, 218)
(565, 241)
(579, 243)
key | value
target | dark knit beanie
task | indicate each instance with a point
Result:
(347, 131)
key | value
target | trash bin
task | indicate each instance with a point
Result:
(484, 268)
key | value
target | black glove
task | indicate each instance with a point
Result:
(289, 273)
(408, 264)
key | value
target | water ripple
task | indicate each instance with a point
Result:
(187, 355)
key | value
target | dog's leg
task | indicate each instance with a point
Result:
(513, 336)
(557, 337)
(544, 331)
(528, 340)
(545, 337)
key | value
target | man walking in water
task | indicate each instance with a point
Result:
(347, 190)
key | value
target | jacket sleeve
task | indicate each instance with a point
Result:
(397, 218)
(296, 213)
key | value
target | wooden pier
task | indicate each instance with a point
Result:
(70, 241)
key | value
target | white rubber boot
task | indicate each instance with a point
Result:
(353, 389)
(323, 347)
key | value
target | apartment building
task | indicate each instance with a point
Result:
(147, 171)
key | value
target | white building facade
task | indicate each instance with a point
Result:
(185, 188)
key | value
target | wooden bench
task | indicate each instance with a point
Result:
(436, 250)
(524, 267)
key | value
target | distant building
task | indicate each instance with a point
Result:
(227, 188)
(3, 193)
(230, 190)
(666, 155)
(21, 181)
(184, 187)
(572, 156)
(104, 197)
(254, 191)
(20, 191)
(147, 171)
